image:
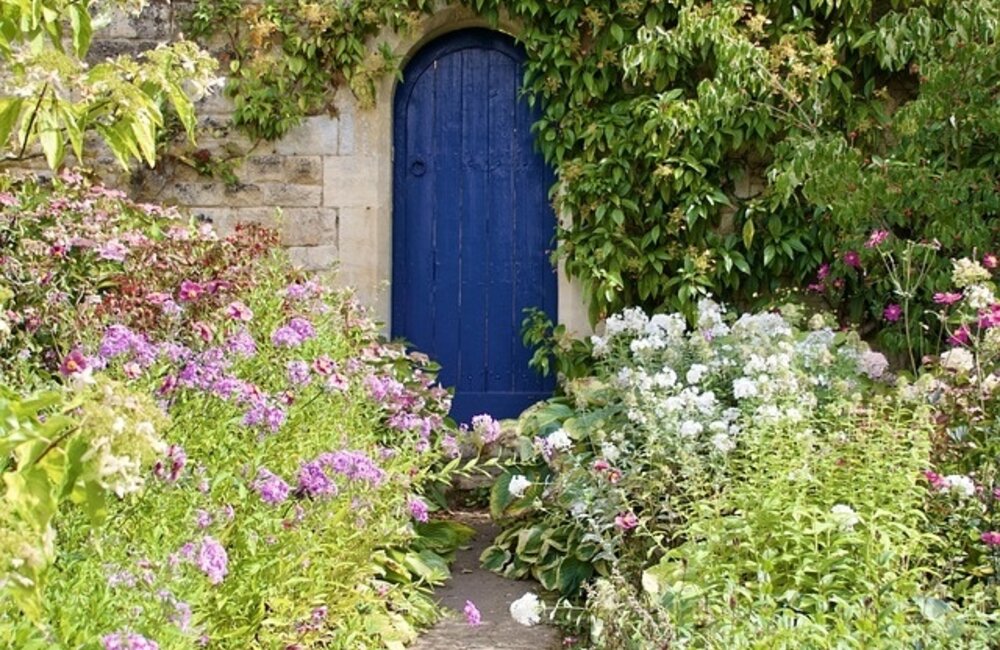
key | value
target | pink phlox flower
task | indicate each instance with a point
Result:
(239, 311)
(128, 641)
(112, 250)
(990, 261)
(626, 521)
(852, 259)
(472, 614)
(947, 298)
(877, 237)
(190, 291)
(991, 538)
(935, 479)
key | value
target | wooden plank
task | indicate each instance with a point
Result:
(475, 287)
(503, 328)
(447, 234)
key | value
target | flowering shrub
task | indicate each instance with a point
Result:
(289, 502)
(703, 488)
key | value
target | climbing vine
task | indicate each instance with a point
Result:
(725, 147)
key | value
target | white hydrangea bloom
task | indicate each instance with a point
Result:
(560, 440)
(518, 485)
(958, 359)
(979, 296)
(966, 272)
(960, 484)
(723, 443)
(744, 387)
(691, 429)
(527, 610)
(696, 372)
(845, 517)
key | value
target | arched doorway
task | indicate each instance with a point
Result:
(472, 222)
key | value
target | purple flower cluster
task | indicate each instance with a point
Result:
(297, 331)
(272, 488)
(314, 481)
(298, 373)
(418, 509)
(128, 641)
(212, 560)
(242, 343)
(302, 291)
(355, 465)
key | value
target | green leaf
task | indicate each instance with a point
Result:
(10, 110)
(748, 233)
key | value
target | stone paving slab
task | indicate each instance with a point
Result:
(493, 595)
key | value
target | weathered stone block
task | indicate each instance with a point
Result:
(302, 227)
(316, 136)
(313, 258)
(217, 194)
(350, 180)
(301, 170)
(153, 23)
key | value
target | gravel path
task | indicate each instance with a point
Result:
(492, 594)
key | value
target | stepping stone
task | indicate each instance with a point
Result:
(492, 594)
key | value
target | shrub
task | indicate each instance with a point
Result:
(704, 488)
(289, 503)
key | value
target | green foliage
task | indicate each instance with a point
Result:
(729, 148)
(287, 58)
(554, 345)
(51, 97)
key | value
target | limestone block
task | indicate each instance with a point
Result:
(313, 258)
(350, 180)
(316, 136)
(347, 130)
(301, 227)
(301, 170)
(153, 23)
(215, 104)
(218, 194)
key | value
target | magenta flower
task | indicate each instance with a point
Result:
(935, 480)
(960, 336)
(626, 521)
(204, 331)
(212, 560)
(947, 298)
(823, 272)
(190, 291)
(238, 311)
(418, 509)
(877, 238)
(852, 259)
(472, 615)
(324, 366)
(73, 363)
(314, 482)
(990, 261)
(991, 538)
(169, 469)
(892, 313)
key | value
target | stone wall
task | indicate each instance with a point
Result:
(326, 187)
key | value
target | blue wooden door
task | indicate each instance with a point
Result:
(472, 222)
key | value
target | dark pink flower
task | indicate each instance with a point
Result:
(203, 331)
(852, 259)
(190, 291)
(990, 261)
(601, 465)
(947, 298)
(990, 538)
(823, 272)
(892, 312)
(960, 336)
(73, 363)
(239, 311)
(626, 521)
(935, 480)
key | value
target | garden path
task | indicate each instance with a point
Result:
(492, 594)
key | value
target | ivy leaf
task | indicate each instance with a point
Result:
(748, 233)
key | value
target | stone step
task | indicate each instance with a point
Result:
(492, 595)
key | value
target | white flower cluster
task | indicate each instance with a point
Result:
(966, 272)
(527, 610)
(676, 383)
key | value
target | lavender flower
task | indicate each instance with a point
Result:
(272, 489)
(472, 615)
(286, 337)
(203, 519)
(418, 509)
(355, 465)
(242, 343)
(112, 250)
(298, 372)
(212, 560)
(314, 482)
